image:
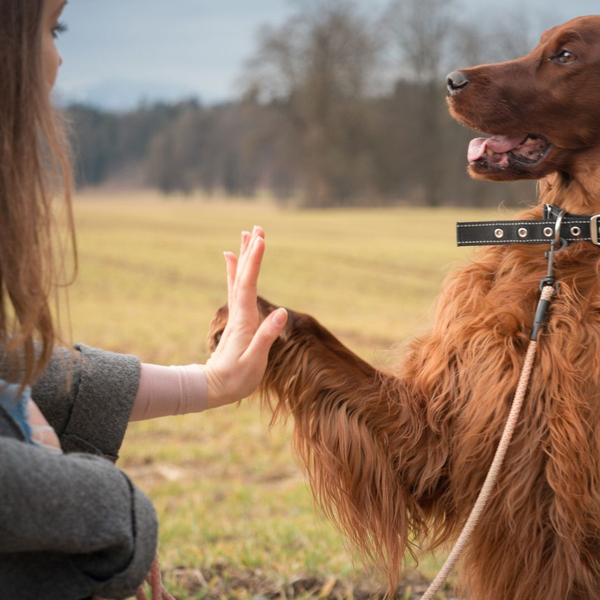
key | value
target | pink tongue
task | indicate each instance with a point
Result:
(499, 144)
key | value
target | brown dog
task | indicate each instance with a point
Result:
(397, 459)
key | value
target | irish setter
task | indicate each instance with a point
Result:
(397, 458)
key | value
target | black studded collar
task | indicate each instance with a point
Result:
(557, 225)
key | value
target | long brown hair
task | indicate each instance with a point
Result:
(34, 166)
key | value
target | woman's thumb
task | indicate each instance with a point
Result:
(279, 318)
(268, 331)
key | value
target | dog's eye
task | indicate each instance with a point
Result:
(565, 57)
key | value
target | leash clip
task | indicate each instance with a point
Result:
(550, 279)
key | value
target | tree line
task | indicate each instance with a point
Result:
(339, 107)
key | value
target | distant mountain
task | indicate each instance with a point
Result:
(121, 96)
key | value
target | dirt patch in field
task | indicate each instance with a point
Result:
(223, 583)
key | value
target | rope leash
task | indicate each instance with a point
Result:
(154, 580)
(494, 471)
(547, 290)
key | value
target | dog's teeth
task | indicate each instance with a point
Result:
(490, 152)
(529, 141)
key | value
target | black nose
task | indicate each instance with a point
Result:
(456, 82)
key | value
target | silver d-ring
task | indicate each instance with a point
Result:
(557, 226)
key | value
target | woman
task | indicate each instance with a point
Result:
(73, 525)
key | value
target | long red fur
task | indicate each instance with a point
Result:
(396, 459)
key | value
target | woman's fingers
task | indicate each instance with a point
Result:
(231, 262)
(248, 268)
(247, 238)
(242, 279)
(248, 278)
(256, 232)
(244, 243)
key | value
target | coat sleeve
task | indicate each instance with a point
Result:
(87, 396)
(77, 511)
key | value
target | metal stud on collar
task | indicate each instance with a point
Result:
(499, 233)
(557, 225)
(522, 232)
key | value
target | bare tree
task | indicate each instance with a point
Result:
(422, 31)
(314, 121)
(275, 71)
(320, 65)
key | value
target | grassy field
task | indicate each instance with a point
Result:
(237, 519)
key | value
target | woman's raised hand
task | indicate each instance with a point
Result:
(238, 364)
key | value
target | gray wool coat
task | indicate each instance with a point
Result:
(73, 526)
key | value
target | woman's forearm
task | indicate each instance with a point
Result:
(168, 391)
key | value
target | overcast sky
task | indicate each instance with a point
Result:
(118, 52)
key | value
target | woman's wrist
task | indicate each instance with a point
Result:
(217, 394)
(169, 391)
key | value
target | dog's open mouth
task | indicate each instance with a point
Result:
(503, 152)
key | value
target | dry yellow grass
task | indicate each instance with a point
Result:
(230, 498)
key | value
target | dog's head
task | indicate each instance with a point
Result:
(542, 110)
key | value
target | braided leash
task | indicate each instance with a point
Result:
(160, 593)
(154, 580)
(492, 476)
